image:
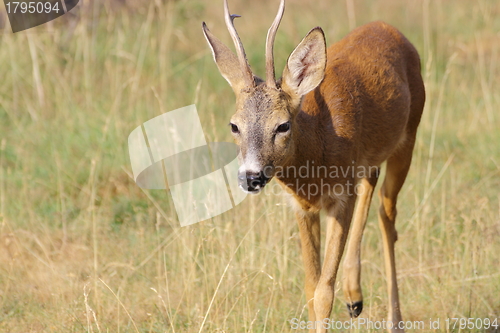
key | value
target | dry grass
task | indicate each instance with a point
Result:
(83, 249)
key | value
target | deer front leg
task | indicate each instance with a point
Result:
(338, 220)
(310, 239)
(352, 260)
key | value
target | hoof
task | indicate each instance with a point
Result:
(355, 309)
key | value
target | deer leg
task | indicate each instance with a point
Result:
(310, 239)
(397, 169)
(339, 219)
(352, 261)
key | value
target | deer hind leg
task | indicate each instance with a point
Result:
(397, 169)
(310, 240)
(352, 261)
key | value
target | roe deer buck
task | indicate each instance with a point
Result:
(350, 107)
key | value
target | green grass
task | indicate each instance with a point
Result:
(83, 249)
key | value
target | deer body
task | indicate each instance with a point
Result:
(339, 113)
(362, 110)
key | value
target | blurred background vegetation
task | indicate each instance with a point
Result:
(83, 249)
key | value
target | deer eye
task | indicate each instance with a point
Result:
(234, 128)
(285, 127)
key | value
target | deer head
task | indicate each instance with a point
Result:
(263, 125)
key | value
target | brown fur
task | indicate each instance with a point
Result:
(368, 104)
(365, 111)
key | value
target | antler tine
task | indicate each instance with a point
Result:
(271, 34)
(240, 51)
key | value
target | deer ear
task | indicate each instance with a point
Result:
(226, 61)
(305, 68)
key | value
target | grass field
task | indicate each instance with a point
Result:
(83, 249)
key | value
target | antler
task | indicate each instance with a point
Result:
(240, 51)
(271, 34)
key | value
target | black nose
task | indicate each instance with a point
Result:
(253, 181)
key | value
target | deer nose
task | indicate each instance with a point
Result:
(253, 181)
